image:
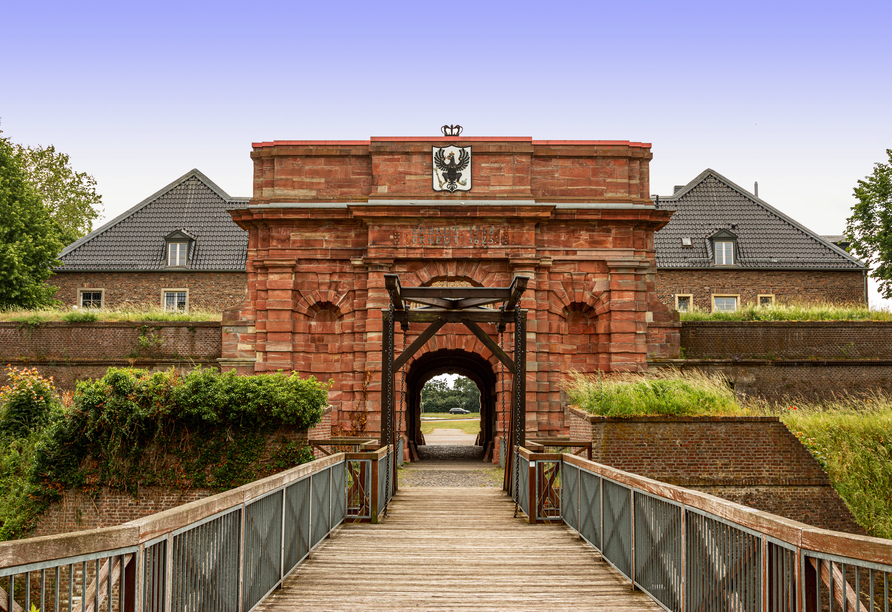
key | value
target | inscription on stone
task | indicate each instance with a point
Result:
(454, 236)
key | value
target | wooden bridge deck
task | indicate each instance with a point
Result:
(455, 549)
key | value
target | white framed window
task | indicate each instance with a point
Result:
(684, 302)
(175, 300)
(724, 252)
(725, 303)
(176, 253)
(766, 300)
(91, 298)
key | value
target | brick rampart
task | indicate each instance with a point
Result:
(215, 291)
(76, 351)
(837, 340)
(755, 459)
(778, 380)
(833, 286)
(79, 510)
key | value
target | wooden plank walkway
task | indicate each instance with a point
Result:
(455, 549)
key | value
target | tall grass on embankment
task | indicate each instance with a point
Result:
(850, 437)
(792, 312)
(664, 393)
(136, 313)
(852, 440)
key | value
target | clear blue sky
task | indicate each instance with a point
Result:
(794, 95)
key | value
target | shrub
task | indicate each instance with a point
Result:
(26, 401)
(671, 393)
(204, 429)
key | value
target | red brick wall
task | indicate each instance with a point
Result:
(70, 352)
(110, 340)
(215, 291)
(838, 340)
(79, 511)
(737, 458)
(779, 380)
(836, 287)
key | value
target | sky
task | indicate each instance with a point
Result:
(794, 95)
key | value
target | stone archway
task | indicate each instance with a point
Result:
(464, 363)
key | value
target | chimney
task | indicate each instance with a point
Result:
(756, 189)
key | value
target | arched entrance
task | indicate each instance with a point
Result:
(471, 365)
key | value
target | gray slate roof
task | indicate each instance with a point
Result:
(766, 237)
(134, 241)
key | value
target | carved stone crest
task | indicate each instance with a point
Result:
(452, 168)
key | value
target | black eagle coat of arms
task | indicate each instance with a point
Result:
(452, 169)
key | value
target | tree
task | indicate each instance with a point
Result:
(69, 195)
(29, 239)
(437, 396)
(869, 229)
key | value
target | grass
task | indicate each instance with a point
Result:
(793, 312)
(852, 440)
(469, 427)
(447, 416)
(665, 393)
(37, 317)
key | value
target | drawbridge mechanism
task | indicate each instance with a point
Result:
(470, 306)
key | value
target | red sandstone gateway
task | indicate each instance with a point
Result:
(329, 218)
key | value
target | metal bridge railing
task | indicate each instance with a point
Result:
(695, 552)
(225, 553)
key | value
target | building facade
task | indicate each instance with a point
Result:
(328, 219)
(725, 248)
(178, 250)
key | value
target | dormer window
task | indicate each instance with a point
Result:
(724, 253)
(724, 248)
(179, 247)
(176, 253)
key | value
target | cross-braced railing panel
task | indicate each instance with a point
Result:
(590, 508)
(549, 484)
(338, 485)
(617, 512)
(297, 523)
(658, 549)
(320, 509)
(206, 564)
(570, 496)
(359, 488)
(262, 566)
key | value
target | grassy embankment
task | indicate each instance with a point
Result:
(851, 438)
(37, 317)
(792, 312)
(468, 423)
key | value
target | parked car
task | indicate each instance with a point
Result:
(459, 411)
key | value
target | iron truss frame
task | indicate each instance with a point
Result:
(465, 305)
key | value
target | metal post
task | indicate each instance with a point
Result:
(386, 381)
(168, 574)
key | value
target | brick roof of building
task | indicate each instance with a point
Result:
(135, 240)
(766, 237)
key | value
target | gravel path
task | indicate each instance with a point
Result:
(450, 466)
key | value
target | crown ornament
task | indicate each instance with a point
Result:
(451, 130)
